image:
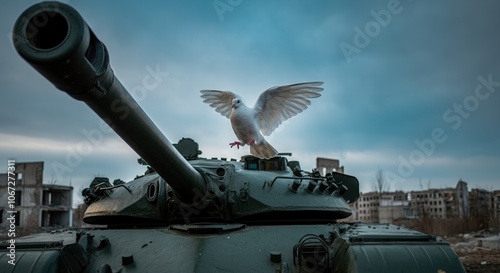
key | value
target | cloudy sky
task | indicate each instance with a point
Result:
(411, 87)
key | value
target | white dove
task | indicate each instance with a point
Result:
(273, 106)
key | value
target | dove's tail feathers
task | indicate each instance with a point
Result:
(263, 150)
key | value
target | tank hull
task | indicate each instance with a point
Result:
(236, 248)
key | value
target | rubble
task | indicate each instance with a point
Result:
(492, 242)
(479, 252)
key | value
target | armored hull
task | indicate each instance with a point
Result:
(238, 248)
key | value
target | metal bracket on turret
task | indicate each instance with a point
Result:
(97, 192)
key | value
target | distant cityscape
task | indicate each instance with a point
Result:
(454, 208)
(444, 203)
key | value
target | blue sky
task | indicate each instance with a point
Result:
(411, 87)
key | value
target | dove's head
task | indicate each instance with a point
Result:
(236, 103)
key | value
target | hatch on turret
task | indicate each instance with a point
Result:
(278, 163)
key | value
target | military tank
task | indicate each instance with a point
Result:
(191, 214)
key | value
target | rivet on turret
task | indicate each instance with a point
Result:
(275, 256)
(127, 259)
(105, 268)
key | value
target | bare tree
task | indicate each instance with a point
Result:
(380, 183)
(422, 185)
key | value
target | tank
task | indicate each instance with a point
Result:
(192, 214)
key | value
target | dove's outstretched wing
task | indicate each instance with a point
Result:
(220, 100)
(278, 104)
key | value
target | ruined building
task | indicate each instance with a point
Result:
(495, 203)
(39, 207)
(328, 165)
(447, 203)
(368, 207)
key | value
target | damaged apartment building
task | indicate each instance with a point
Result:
(446, 203)
(39, 207)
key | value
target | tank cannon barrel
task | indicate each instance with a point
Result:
(54, 39)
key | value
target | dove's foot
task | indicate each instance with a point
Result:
(237, 143)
